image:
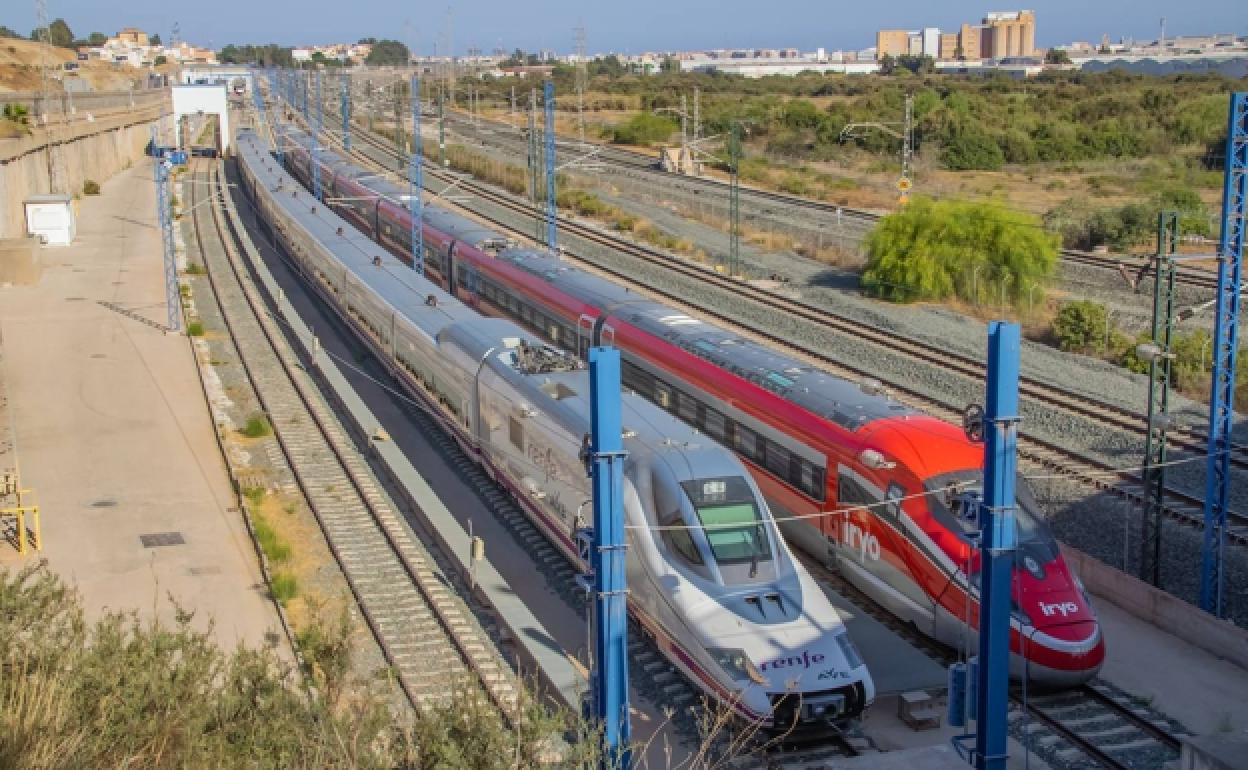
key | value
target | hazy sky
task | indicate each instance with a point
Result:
(630, 26)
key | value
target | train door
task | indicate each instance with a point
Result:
(448, 269)
(584, 335)
(872, 545)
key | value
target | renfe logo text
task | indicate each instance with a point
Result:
(805, 660)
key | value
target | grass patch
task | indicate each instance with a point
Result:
(275, 550)
(195, 329)
(254, 495)
(195, 269)
(257, 427)
(284, 587)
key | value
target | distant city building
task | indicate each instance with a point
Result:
(1002, 34)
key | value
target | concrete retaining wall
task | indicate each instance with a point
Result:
(1168, 613)
(83, 151)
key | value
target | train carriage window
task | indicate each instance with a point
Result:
(687, 407)
(680, 541)
(895, 494)
(851, 492)
(778, 460)
(663, 395)
(516, 431)
(714, 424)
(811, 481)
(746, 442)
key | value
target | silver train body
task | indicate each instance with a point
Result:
(727, 604)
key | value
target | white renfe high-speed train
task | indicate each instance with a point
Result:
(709, 576)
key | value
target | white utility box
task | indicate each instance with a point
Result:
(51, 218)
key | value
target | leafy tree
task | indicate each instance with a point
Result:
(669, 64)
(967, 146)
(1193, 215)
(59, 34)
(6, 32)
(607, 65)
(271, 55)
(367, 41)
(154, 39)
(1056, 56)
(1080, 325)
(159, 60)
(919, 65)
(97, 38)
(387, 53)
(887, 64)
(936, 249)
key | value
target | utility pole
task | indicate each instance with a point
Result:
(164, 220)
(533, 164)
(316, 141)
(398, 121)
(1225, 350)
(606, 549)
(416, 183)
(582, 78)
(345, 81)
(684, 132)
(734, 199)
(552, 207)
(1160, 363)
(442, 130)
(904, 182)
(996, 544)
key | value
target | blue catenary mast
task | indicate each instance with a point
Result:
(551, 204)
(607, 556)
(1225, 348)
(416, 183)
(996, 517)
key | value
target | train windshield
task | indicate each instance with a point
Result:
(730, 519)
(949, 499)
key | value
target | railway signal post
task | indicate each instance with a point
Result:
(1225, 349)
(552, 208)
(605, 460)
(997, 540)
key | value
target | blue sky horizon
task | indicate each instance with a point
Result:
(642, 25)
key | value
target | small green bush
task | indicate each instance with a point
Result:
(254, 495)
(194, 268)
(195, 329)
(257, 426)
(90, 187)
(1080, 325)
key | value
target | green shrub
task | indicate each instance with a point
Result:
(936, 249)
(644, 128)
(90, 187)
(195, 329)
(194, 268)
(257, 426)
(1080, 325)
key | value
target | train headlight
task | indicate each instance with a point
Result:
(852, 658)
(737, 664)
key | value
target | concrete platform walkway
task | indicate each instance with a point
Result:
(113, 433)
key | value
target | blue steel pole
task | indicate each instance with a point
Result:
(551, 204)
(346, 112)
(610, 680)
(316, 141)
(997, 545)
(1225, 350)
(416, 183)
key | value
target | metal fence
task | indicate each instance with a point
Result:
(68, 103)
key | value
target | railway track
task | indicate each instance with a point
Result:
(1050, 456)
(411, 612)
(673, 697)
(501, 134)
(1092, 725)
